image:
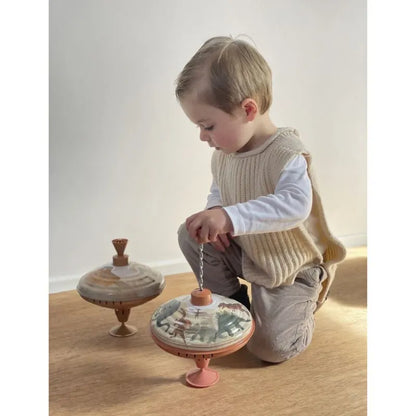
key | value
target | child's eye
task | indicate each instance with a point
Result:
(209, 128)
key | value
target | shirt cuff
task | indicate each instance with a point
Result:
(235, 217)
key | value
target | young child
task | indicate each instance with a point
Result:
(264, 220)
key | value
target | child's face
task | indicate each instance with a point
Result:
(226, 132)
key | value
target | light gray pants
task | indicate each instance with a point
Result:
(283, 315)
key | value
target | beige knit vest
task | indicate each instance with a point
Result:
(274, 259)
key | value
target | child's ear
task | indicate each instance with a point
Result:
(250, 108)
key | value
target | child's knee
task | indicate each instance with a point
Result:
(276, 348)
(183, 238)
(181, 230)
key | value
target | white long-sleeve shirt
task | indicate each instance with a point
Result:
(288, 207)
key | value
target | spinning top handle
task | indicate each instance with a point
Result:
(120, 259)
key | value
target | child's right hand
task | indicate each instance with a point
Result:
(210, 226)
(223, 242)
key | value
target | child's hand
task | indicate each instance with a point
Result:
(222, 242)
(210, 226)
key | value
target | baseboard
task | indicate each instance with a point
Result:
(354, 240)
(168, 267)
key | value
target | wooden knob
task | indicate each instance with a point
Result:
(120, 259)
(201, 297)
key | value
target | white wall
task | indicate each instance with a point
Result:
(125, 161)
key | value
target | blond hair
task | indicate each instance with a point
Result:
(234, 69)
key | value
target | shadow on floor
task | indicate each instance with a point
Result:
(240, 359)
(350, 284)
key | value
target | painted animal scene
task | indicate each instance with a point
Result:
(200, 326)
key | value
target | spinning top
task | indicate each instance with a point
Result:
(121, 286)
(201, 326)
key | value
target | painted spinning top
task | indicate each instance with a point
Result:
(121, 285)
(201, 326)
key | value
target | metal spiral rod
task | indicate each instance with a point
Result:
(201, 267)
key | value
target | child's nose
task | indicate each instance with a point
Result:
(203, 136)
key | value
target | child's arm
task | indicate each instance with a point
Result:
(214, 201)
(205, 225)
(289, 206)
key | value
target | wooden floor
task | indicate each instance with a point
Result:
(93, 373)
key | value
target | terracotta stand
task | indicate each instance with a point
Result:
(202, 376)
(122, 311)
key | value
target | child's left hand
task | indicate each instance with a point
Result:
(205, 226)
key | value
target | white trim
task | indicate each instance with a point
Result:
(176, 266)
(354, 240)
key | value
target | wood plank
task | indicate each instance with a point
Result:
(92, 373)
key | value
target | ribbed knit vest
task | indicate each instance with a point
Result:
(274, 259)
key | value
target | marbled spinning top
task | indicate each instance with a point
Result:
(201, 326)
(121, 285)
